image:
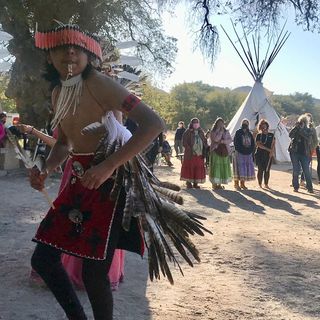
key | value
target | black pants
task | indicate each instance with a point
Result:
(263, 169)
(46, 260)
(318, 161)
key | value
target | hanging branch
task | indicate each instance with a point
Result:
(209, 37)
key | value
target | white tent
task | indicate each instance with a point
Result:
(256, 106)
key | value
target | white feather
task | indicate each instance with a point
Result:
(126, 44)
(4, 36)
(132, 61)
(116, 131)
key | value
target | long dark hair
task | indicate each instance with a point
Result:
(214, 126)
(52, 75)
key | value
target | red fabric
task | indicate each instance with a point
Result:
(73, 266)
(53, 39)
(193, 169)
(57, 230)
(130, 102)
(2, 132)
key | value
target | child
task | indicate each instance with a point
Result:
(166, 151)
(84, 222)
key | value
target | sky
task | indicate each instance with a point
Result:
(295, 69)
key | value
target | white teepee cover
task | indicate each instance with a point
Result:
(256, 106)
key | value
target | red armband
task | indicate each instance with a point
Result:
(130, 102)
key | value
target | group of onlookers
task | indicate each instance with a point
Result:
(219, 150)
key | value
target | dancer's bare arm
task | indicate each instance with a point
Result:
(112, 95)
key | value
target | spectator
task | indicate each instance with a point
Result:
(314, 144)
(178, 146)
(318, 161)
(194, 143)
(243, 167)
(166, 151)
(300, 151)
(265, 142)
(220, 169)
(3, 119)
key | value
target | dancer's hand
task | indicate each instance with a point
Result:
(94, 177)
(37, 178)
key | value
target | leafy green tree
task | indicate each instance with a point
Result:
(161, 101)
(113, 20)
(296, 104)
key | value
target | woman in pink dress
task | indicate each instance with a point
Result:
(73, 265)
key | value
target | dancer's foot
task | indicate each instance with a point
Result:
(196, 186)
(266, 186)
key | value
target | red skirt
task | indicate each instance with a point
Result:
(89, 238)
(193, 170)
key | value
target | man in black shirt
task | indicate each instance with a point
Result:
(178, 147)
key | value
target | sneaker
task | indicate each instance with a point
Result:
(310, 191)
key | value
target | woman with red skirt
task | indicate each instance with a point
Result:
(194, 143)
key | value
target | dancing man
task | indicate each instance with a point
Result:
(84, 221)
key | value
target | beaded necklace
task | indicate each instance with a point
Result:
(69, 97)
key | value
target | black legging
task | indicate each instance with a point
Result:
(318, 161)
(263, 169)
(46, 260)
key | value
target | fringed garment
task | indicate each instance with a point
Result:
(98, 215)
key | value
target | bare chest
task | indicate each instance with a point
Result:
(88, 111)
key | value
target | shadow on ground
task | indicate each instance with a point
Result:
(269, 201)
(310, 203)
(207, 199)
(293, 278)
(239, 200)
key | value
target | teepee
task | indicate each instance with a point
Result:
(257, 106)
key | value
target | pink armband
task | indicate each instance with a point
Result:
(130, 102)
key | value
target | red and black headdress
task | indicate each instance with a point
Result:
(68, 35)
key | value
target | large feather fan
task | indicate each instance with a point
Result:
(156, 205)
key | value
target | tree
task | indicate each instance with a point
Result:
(252, 14)
(296, 104)
(161, 101)
(6, 104)
(113, 20)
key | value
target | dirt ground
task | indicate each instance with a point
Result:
(262, 261)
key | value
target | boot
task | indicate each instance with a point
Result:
(236, 184)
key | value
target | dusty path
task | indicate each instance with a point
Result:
(261, 263)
